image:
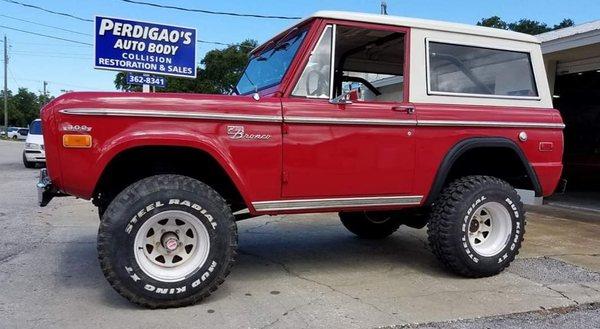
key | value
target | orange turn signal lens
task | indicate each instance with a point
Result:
(77, 141)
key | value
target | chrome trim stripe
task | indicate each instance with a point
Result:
(172, 114)
(349, 121)
(305, 120)
(305, 204)
(431, 123)
(499, 124)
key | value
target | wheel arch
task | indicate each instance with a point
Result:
(460, 152)
(155, 152)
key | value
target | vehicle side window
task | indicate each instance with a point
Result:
(315, 79)
(36, 127)
(367, 62)
(459, 69)
(370, 62)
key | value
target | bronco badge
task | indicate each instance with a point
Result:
(239, 132)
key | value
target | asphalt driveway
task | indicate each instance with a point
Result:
(292, 271)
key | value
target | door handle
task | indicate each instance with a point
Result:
(409, 109)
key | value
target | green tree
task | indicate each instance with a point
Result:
(493, 21)
(567, 22)
(10, 108)
(529, 26)
(23, 107)
(220, 70)
(524, 25)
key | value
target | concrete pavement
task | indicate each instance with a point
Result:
(292, 271)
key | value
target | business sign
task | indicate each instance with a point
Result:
(146, 79)
(125, 45)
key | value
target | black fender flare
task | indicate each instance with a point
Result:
(478, 142)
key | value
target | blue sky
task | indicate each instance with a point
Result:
(34, 59)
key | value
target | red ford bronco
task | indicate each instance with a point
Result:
(385, 120)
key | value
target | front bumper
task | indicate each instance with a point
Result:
(35, 155)
(46, 191)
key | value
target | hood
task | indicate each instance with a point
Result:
(36, 139)
(148, 101)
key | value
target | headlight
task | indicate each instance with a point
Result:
(32, 146)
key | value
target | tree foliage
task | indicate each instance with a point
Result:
(220, 70)
(493, 21)
(23, 107)
(524, 25)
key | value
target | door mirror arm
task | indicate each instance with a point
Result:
(341, 99)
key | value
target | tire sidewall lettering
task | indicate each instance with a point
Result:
(156, 205)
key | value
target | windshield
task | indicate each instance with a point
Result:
(267, 68)
(35, 128)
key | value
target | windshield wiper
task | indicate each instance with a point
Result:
(279, 45)
(285, 37)
(252, 83)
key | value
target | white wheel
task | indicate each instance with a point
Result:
(490, 228)
(171, 245)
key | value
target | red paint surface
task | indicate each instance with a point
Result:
(313, 160)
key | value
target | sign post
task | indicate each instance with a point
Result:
(144, 47)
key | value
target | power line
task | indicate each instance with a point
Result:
(13, 77)
(47, 44)
(57, 56)
(48, 10)
(45, 35)
(59, 83)
(26, 52)
(50, 26)
(88, 34)
(204, 11)
(225, 44)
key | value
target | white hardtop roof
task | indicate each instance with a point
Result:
(426, 24)
(570, 31)
(416, 23)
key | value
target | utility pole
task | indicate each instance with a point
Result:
(43, 102)
(384, 8)
(5, 82)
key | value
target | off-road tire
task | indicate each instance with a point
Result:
(137, 204)
(448, 226)
(27, 164)
(360, 224)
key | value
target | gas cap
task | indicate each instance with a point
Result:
(522, 136)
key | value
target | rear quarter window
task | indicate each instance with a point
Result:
(469, 70)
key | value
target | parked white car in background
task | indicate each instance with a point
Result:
(34, 145)
(9, 130)
(17, 133)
